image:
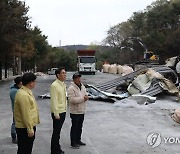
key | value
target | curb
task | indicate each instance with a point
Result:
(9, 78)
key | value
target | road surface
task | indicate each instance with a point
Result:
(120, 128)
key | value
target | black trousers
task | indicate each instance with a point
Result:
(76, 128)
(25, 143)
(57, 125)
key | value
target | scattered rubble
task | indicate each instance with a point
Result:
(140, 85)
(146, 81)
(45, 96)
(96, 94)
(39, 74)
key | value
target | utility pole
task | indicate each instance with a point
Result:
(59, 43)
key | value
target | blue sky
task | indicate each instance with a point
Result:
(71, 22)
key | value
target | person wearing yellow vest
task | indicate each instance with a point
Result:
(58, 103)
(26, 114)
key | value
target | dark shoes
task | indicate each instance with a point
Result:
(75, 146)
(62, 152)
(14, 141)
(81, 143)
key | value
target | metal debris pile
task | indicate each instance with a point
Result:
(144, 82)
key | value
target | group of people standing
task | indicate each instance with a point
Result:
(26, 114)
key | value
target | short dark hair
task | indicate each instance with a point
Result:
(76, 75)
(18, 79)
(28, 77)
(58, 71)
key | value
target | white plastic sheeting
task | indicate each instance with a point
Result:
(142, 82)
(127, 70)
(178, 67)
(171, 61)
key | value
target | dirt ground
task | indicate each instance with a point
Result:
(124, 127)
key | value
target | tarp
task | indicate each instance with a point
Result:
(127, 70)
(143, 82)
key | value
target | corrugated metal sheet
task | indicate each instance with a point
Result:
(153, 90)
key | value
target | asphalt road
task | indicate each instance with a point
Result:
(120, 128)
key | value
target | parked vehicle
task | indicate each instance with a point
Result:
(51, 71)
(86, 61)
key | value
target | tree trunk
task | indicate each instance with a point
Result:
(0, 70)
(5, 66)
(14, 65)
(19, 65)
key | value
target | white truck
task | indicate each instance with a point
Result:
(86, 62)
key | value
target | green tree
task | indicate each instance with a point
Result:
(163, 19)
(14, 23)
(117, 33)
(40, 47)
(157, 27)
